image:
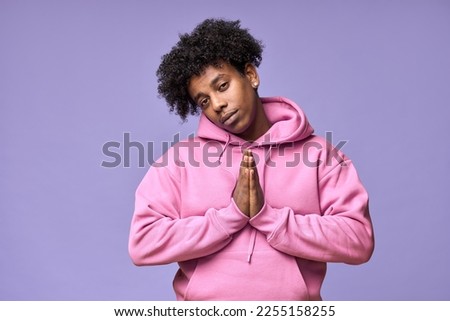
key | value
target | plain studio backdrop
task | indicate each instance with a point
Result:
(76, 75)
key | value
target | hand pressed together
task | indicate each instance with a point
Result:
(248, 194)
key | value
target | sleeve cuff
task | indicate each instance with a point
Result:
(231, 219)
(267, 220)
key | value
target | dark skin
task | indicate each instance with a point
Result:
(230, 100)
(248, 194)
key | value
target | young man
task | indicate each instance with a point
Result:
(255, 205)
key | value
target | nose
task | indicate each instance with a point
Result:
(218, 103)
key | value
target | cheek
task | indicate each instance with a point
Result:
(242, 97)
(212, 116)
(250, 104)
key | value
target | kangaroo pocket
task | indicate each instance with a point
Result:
(271, 276)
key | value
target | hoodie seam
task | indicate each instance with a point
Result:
(268, 211)
(340, 164)
(273, 237)
(217, 220)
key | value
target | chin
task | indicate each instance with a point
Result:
(239, 131)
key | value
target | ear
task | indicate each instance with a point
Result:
(252, 75)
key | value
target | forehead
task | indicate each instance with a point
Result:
(211, 74)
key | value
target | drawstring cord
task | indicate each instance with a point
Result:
(251, 245)
(224, 148)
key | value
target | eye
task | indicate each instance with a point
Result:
(223, 86)
(204, 103)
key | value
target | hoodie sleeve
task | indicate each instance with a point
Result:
(159, 236)
(342, 232)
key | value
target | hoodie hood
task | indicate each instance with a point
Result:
(289, 124)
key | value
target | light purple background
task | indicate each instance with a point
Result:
(77, 74)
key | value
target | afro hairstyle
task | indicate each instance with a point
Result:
(212, 43)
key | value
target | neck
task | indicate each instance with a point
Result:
(260, 125)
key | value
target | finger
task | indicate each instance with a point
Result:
(242, 184)
(248, 161)
(253, 178)
(243, 170)
(251, 158)
(251, 162)
(245, 162)
(243, 175)
(255, 173)
(252, 181)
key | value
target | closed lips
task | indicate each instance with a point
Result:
(225, 117)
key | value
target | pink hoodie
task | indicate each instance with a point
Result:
(315, 211)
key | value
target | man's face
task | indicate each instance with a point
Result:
(226, 97)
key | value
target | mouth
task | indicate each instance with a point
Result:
(227, 118)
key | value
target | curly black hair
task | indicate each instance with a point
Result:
(211, 43)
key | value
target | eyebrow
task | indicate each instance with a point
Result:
(212, 84)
